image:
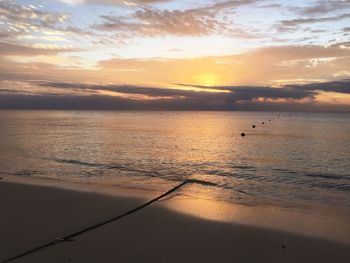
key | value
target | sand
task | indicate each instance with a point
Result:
(32, 215)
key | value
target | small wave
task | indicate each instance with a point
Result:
(71, 161)
(244, 176)
(114, 166)
(22, 173)
(25, 173)
(328, 176)
(332, 186)
(283, 170)
(7, 173)
(119, 167)
(177, 177)
(244, 167)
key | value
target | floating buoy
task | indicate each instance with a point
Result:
(242, 134)
(263, 123)
(253, 126)
(269, 120)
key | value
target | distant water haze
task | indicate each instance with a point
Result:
(294, 159)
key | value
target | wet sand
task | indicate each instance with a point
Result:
(32, 215)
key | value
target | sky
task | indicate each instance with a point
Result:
(175, 55)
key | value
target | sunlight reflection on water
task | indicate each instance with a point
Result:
(301, 158)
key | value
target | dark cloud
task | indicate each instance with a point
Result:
(230, 97)
(342, 86)
(232, 94)
(296, 91)
(97, 102)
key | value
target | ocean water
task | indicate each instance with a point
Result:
(292, 159)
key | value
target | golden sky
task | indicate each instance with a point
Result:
(167, 54)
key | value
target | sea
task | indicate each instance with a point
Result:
(289, 159)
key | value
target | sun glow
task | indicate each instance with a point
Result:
(208, 79)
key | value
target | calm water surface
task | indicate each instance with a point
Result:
(296, 158)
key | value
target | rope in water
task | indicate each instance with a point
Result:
(70, 236)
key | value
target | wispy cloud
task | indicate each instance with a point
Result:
(300, 21)
(148, 21)
(8, 49)
(114, 2)
(293, 24)
(22, 18)
(324, 7)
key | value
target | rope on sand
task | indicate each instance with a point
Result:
(70, 236)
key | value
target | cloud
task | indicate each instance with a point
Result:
(324, 6)
(299, 52)
(299, 21)
(22, 17)
(113, 2)
(290, 97)
(342, 45)
(265, 66)
(30, 24)
(340, 86)
(222, 4)
(8, 49)
(232, 93)
(291, 92)
(148, 21)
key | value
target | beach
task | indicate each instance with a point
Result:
(174, 187)
(163, 131)
(35, 213)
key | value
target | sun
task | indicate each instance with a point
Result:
(207, 79)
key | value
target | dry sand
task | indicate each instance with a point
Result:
(32, 215)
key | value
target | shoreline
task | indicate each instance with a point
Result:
(38, 214)
(299, 221)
